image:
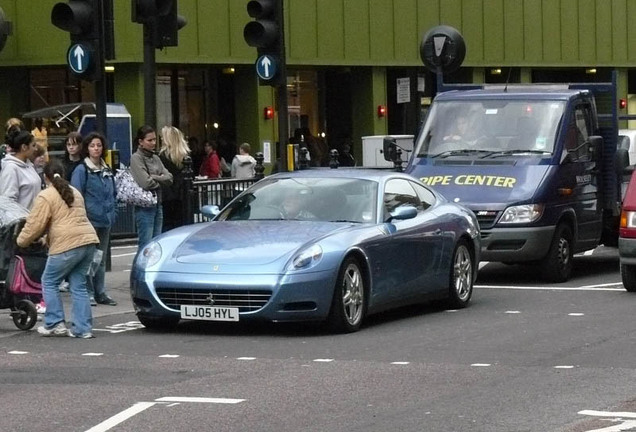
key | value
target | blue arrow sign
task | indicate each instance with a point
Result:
(266, 66)
(79, 58)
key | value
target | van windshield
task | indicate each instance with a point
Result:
(490, 128)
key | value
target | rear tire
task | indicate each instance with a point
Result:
(349, 303)
(24, 315)
(462, 274)
(628, 274)
(156, 323)
(557, 264)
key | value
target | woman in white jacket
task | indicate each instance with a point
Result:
(243, 164)
(19, 180)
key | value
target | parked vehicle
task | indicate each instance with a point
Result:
(316, 245)
(627, 238)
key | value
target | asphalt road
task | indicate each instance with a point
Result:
(525, 356)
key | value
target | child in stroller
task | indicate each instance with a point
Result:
(20, 269)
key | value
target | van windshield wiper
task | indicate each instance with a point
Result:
(518, 151)
(461, 152)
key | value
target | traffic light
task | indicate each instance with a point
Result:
(143, 11)
(82, 19)
(267, 36)
(162, 17)
(6, 29)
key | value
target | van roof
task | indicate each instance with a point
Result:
(528, 92)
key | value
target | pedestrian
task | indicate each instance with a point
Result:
(95, 181)
(41, 136)
(174, 150)
(13, 124)
(150, 174)
(72, 153)
(243, 163)
(18, 179)
(38, 158)
(211, 166)
(59, 213)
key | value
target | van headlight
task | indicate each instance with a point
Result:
(149, 256)
(306, 258)
(521, 214)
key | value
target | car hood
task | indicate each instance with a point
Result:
(249, 243)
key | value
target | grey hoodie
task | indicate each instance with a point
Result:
(19, 181)
(243, 166)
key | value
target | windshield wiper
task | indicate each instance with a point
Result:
(461, 152)
(345, 220)
(518, 151)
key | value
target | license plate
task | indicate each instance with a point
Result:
(209, 313)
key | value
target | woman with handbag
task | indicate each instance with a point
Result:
(94, 179)
(174, 150)
(149, 173)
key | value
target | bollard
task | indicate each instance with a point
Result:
(259, 168)
(186, 191)
(333, 159)
(303, 163)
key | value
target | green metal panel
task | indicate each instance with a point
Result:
(569, 39)
(551, 30)
(619, 31)
(533, 47)
(630, 38)
(603, 34)
(512, 36)
(406, 38)
(330, 31)
(587, 31)
(473, 34)
(494, 31)
(357, 27)
(381, 34)
(302, 30)
(428, 16)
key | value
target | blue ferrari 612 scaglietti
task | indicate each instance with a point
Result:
(317, 245)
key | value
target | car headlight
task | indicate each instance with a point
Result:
(149, 256)
(306, 258)
(521, 214)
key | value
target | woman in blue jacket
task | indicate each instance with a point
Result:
(94, 179)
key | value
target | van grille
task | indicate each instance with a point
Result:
(244, 300)
(486, 218)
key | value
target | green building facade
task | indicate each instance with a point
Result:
(344, 59)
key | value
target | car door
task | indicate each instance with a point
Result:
(407, 255)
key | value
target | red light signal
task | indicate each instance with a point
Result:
(381, 111)
(268, 113)
(622, 103)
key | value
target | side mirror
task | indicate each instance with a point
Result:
(389, 149)
(210, 211)
(403, 212)
(595, 146)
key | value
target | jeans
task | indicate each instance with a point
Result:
(149, 221)
(72, 264)
(95, 284)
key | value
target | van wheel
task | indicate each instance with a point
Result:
(557, 264)
(628, 274)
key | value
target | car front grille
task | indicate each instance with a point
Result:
(244, 300)
(486, 218)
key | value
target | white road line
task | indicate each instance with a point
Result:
(618, 284)
(546, 288)
(121, 417)
(200, 400)
(564, 367)
(400, 363)
(513, 312)
(169, 355)
(576, 314)
(246, 358)
(608, 414)
(93, 354)
(18, 352)
(481, 364)
(326, 360)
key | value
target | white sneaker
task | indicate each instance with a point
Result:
(58, 329)
(40, 308)
(88, 335)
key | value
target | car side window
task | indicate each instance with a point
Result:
(426, 197)
(398, 192)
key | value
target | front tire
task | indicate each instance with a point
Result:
(156, 323)
(349, 304)
(628, 274)
(557, 264)
(462, 275)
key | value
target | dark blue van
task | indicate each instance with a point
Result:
(535, 164)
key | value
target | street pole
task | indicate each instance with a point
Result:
(281, 90)
(150, 67)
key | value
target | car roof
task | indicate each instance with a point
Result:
(354, 173)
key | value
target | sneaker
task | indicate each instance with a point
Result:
(93, 302)
(58, 329)
(40, 308)
(106, 300)
(88, 335)
(64, 286)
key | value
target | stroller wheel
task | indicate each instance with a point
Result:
(24, 315)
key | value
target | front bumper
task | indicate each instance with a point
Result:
(299, 296)
(516, 244)
(627, 250)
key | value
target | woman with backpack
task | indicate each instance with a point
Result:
(94, 179)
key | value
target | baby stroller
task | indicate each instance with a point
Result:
(20, 269)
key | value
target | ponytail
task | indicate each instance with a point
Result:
(54, 172)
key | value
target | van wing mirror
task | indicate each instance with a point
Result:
(595, 146)
(621, 162)
(389, 149)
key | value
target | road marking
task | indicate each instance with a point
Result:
(546, 288)
(169, 355)
(512, 312)
(326, 360)
(618, 284)
(93, 354)
(18, 352)
(564, 367)
(121, 417)
(246, 358)
(608, 414)
(481, 364)
(200, 400)
(576, 314)
(400, 363)
(121, 327)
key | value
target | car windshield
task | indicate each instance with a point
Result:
(490, 128)
(315, 199)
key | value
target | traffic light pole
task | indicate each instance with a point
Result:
(100, 82)
(281, 90)
(150, 69)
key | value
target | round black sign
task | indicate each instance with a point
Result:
(443, 49)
